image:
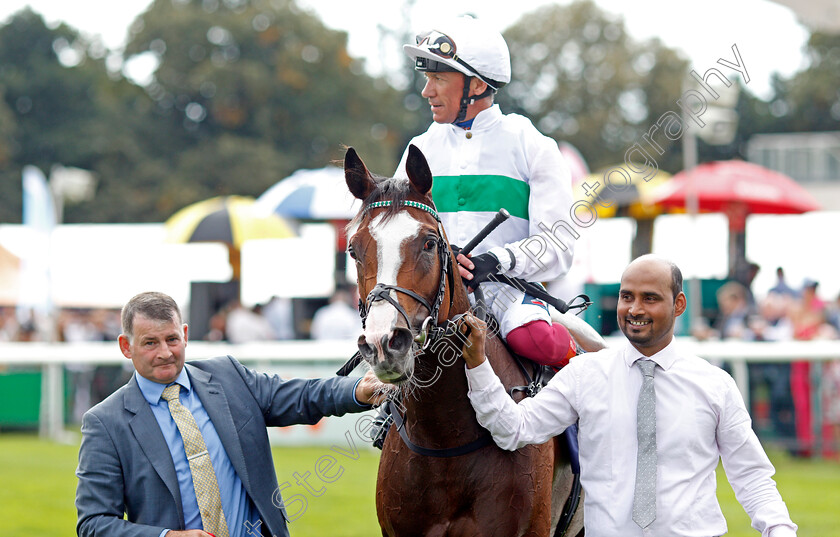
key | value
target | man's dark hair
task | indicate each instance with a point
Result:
(152, 305)
(676, 280)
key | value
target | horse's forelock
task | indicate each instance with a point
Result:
(394, 189)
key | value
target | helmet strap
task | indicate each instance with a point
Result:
(466, 100)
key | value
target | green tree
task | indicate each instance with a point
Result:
(810, 100)
(581, 78)
(8, 126)
(64, 106)
(249, 91)
(10, 204)
(244, 93)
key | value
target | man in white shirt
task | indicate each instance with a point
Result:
(338, 319)
(698, 417)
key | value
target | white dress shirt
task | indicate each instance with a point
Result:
(700, 418)
(337, 320)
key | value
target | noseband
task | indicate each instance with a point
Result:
(430, 329)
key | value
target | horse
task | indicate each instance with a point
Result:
(440, 474)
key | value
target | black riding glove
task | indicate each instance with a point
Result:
(486, 265)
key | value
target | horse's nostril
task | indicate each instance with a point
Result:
(400, 340)
(367, 351)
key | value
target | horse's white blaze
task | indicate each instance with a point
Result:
(382, 317)
(352, 229)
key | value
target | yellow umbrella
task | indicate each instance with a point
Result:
(229, 219)
(586, 190)
(645, 207)
(633, 200)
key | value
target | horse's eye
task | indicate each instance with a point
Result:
(351, 251)
(430, 245)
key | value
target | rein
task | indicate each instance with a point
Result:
(484, 440)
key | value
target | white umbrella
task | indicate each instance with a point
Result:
(311, 195)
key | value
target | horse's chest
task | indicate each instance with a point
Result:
(452, 497)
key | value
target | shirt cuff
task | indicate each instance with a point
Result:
(480, 376)
(361, 404)
(164, 532)
(505, 257)
(782, 531)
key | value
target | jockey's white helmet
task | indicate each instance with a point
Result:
(466, 45)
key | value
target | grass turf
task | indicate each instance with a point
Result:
(39, 489)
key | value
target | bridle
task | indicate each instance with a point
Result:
(429, 332)
(431, 329)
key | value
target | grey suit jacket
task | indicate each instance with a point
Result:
(125, 466)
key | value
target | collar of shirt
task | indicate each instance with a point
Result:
(466, 124)
(483, 121)
(664, 358)
(152, 390)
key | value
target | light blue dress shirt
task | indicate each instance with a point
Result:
(236, 504)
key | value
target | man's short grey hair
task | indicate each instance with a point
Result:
(152, 305)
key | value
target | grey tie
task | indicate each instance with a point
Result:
(644, 496)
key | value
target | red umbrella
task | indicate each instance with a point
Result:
(736, 188)
(720, 185)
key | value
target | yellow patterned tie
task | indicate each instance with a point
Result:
(203, 476)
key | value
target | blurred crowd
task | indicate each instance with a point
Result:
(784, 313)
(338, 319)
(797, 402)
(72, 325)
(794, 404)
(88, 384)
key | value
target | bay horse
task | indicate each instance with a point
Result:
(441, 475)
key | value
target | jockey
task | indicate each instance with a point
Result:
(483, 160)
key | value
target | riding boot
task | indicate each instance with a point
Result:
(587, 338)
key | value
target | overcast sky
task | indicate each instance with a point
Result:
(704, 31)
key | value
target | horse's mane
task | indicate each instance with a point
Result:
(387, 188)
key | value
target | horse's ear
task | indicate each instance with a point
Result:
(418, 170)
(357, 175)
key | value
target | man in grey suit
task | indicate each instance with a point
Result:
(182, 449)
